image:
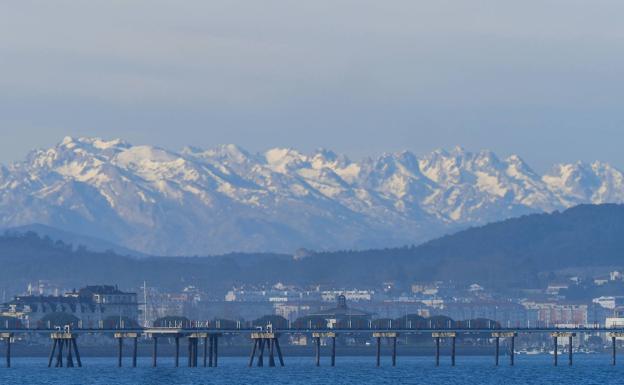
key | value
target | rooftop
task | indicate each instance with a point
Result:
(341, 310)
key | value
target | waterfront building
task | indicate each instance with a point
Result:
(551, 313)
(89, 307)
(609, 302)
(341, 315)
(291, 311)
(508, 314)
(350, 295)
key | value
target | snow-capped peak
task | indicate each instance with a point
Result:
(284, 159)
(70, 142)
(205, 201)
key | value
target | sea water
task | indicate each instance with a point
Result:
(539, 369)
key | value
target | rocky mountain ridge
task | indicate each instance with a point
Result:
(211, 201)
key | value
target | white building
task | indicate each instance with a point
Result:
(92, 307)
(350, 295)
(614, 322)
(609, 302)
(435, 303)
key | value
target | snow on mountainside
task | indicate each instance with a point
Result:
(199, 201)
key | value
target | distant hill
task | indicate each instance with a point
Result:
(586, 235)
(75, 239)
(510, 254)
(28, 257)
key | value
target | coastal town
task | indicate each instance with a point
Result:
(566, 302)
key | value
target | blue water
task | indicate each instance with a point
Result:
(587, 369)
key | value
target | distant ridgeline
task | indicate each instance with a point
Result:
(505, 254)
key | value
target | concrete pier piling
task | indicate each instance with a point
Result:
(512, 339)
(614, 336)
(261, 355)
(386, 335)
(556, 336)
(120, 352)
(7, 337)
(512, 350)
(120, 336)
(75, 345)
(317, 350)
(268, 341)
(253, 352)
(437, 356)
(497, 341)
(54, 344)
(437, 336)
(70, 358)
(271, 356)
(193, 349)
(394, 350)
(177, 351)
(155, 351)
(210, 351)
(59, 357)
(210, 341)
(190, 352)
(60, 341)
(280, 357)
(215, 348)
(8, 352)
(453, 343)
(135, 343)
(556, 351)
(205, 351)
(316, 341)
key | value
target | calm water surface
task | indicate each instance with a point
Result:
(587, 369)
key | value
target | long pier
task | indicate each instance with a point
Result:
(65, 347)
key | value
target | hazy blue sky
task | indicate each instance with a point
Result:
(541, 78)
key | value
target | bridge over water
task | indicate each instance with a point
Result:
(65, 350)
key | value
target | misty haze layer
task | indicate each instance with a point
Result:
(540, 78)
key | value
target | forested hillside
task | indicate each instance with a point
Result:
(506, 254)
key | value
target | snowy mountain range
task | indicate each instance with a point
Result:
(199, 201)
